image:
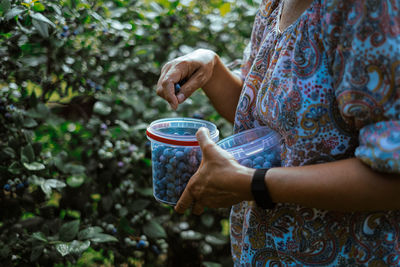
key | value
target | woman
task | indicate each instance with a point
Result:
(326, 76)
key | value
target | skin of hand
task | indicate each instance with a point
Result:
(197, 67)
(219, 182)
(202, 69)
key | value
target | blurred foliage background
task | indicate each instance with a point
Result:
(77, 91)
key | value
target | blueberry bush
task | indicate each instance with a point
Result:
(77, 91)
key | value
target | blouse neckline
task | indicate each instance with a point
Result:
(288, 28)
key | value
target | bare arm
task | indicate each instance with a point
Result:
(223, 89)
(345, 185)
(202, 69)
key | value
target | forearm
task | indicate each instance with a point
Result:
(346, 185)
(223, 89)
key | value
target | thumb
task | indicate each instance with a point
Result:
(203, 137)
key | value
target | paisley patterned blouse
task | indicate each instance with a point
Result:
(330, 85)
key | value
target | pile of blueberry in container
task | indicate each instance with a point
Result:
(264, 160)
(172, 169)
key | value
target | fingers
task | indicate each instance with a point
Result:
(204, 139)
(198, 208)
(184, 202)
(166, 86)
(197, 80)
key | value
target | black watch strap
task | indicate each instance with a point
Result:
(260, 191)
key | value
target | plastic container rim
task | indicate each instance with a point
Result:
(270, 134)
(179, 140)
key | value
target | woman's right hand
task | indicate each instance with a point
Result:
(196, 68)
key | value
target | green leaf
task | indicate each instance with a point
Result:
(147, 192)
(39, 7)
(154, 230)
(15, 168)
(41, 27)
(40, 17)
(5, 5)
(39, 236)
(101, 238)
(53, 183)
(63, 249)
(124, 227)
(75, 247)
(225, 8)
(101, 108)
(69, 230)
(74, 168)
(4, 251)
(207, 219)
(216, 241)
(13, 12)
(34, 166)
(210, 264)
(9, 152)
(76, 180)
(36, 252)
(138, 205)
(29, 122)
(27, 153)
(89, 232)
(191, 235)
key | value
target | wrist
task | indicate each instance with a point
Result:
(260, 190)
(242, 184)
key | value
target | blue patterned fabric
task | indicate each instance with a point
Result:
(330, 85)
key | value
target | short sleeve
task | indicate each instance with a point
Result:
(362, 39)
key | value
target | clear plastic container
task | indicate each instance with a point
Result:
(175, 154)
(257, 148)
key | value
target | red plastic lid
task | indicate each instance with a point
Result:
(158, 131)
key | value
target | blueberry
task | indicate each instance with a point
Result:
(65, 28)
(140, 244)
(172, 161)
(171, 186)
(182, 166)
(20, 186)
(163, 158)
(167, 152)
(169, 168)
(155, 249)
(177, 88)
(169, 177)
(197, 115)
(170, 193)
(247, 163)
(179, 155)
(258, 160)
(271, 157)
(187, 151)
(267, 165)
(7, 187)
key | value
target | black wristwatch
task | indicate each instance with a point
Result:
(260, 190)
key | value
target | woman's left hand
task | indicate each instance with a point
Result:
(219, 182)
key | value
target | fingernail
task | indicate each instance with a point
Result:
(180, 97)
